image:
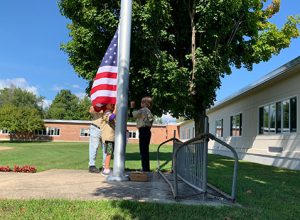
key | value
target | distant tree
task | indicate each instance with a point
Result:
(157, 120)
(64, 106)
(20, 121)
(19, 97)
(83, 108)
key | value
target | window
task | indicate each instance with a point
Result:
(279, 117)
(293, 119)
(268, 117)
(219, 128)
(272, 118)
(41, 132)
(133, 135)
(48, 131)
(84, 132)
(53, 131)
(236, 125)
(4, 131)
(285, 116)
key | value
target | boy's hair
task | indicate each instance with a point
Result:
(147, 100)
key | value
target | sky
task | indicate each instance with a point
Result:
(240, 78)
(31, 32)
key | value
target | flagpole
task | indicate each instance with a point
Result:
(122, 93)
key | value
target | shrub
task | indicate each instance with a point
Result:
(23, 169)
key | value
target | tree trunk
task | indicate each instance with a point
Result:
(199, 119)
(193, 49)
(192, 12)
(200, 113)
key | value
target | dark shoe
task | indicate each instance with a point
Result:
(93, 169)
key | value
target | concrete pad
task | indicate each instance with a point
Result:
(82, 185)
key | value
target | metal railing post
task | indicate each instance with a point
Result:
(205, 155)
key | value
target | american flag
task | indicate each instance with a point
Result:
(104, 89)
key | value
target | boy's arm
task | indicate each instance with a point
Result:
(112, 116)
(136, 114)
(109, 116)
(132, 112)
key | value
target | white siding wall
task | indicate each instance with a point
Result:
(251, 145)
(187, 130)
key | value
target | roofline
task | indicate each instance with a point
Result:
(89, 122)
(184, 122)
(67, 121)
(267, 78)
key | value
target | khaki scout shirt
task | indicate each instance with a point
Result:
(107, 127)
(96, 118)
(144, 117)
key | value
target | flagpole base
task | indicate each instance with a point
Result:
(113, 178)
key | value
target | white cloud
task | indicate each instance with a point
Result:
(80, 95)
(168, 119)
(18, 83)
(57, 88)
(46, 103)
(75, 86)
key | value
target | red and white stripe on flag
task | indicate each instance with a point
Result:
(104, 89)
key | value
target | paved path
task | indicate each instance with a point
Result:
(5, 148)
(82, 185)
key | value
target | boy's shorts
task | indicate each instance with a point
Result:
(109, 147)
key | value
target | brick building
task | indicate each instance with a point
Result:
(78, 131)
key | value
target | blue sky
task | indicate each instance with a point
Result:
(30, 55)
(31, 32)
(241, 78)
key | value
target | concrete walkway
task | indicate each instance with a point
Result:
(5, 148)
(82, 185)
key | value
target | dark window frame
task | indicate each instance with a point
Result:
(285, 116)
(236, 124)
(221, 128)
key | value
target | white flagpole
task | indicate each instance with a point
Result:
(122, 92)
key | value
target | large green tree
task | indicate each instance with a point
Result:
(20, 121)
(64, 106)
(83, 108)
(19, 97)
(20, 112)
(180, 48)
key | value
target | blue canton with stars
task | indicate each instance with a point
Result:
(111, 56)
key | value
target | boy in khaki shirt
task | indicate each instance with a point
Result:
(144, 120)
(107, 127)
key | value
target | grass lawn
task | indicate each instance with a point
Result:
(264, 192)
(66, 155)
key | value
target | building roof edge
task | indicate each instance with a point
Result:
(268, 77)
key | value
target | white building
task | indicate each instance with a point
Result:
(262, 120)
(187, 130)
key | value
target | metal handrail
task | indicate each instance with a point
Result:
(201, 137)
(235, 169)
(158, 161)
(157, 152)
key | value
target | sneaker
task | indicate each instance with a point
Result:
(105, 172)
(93, 169)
